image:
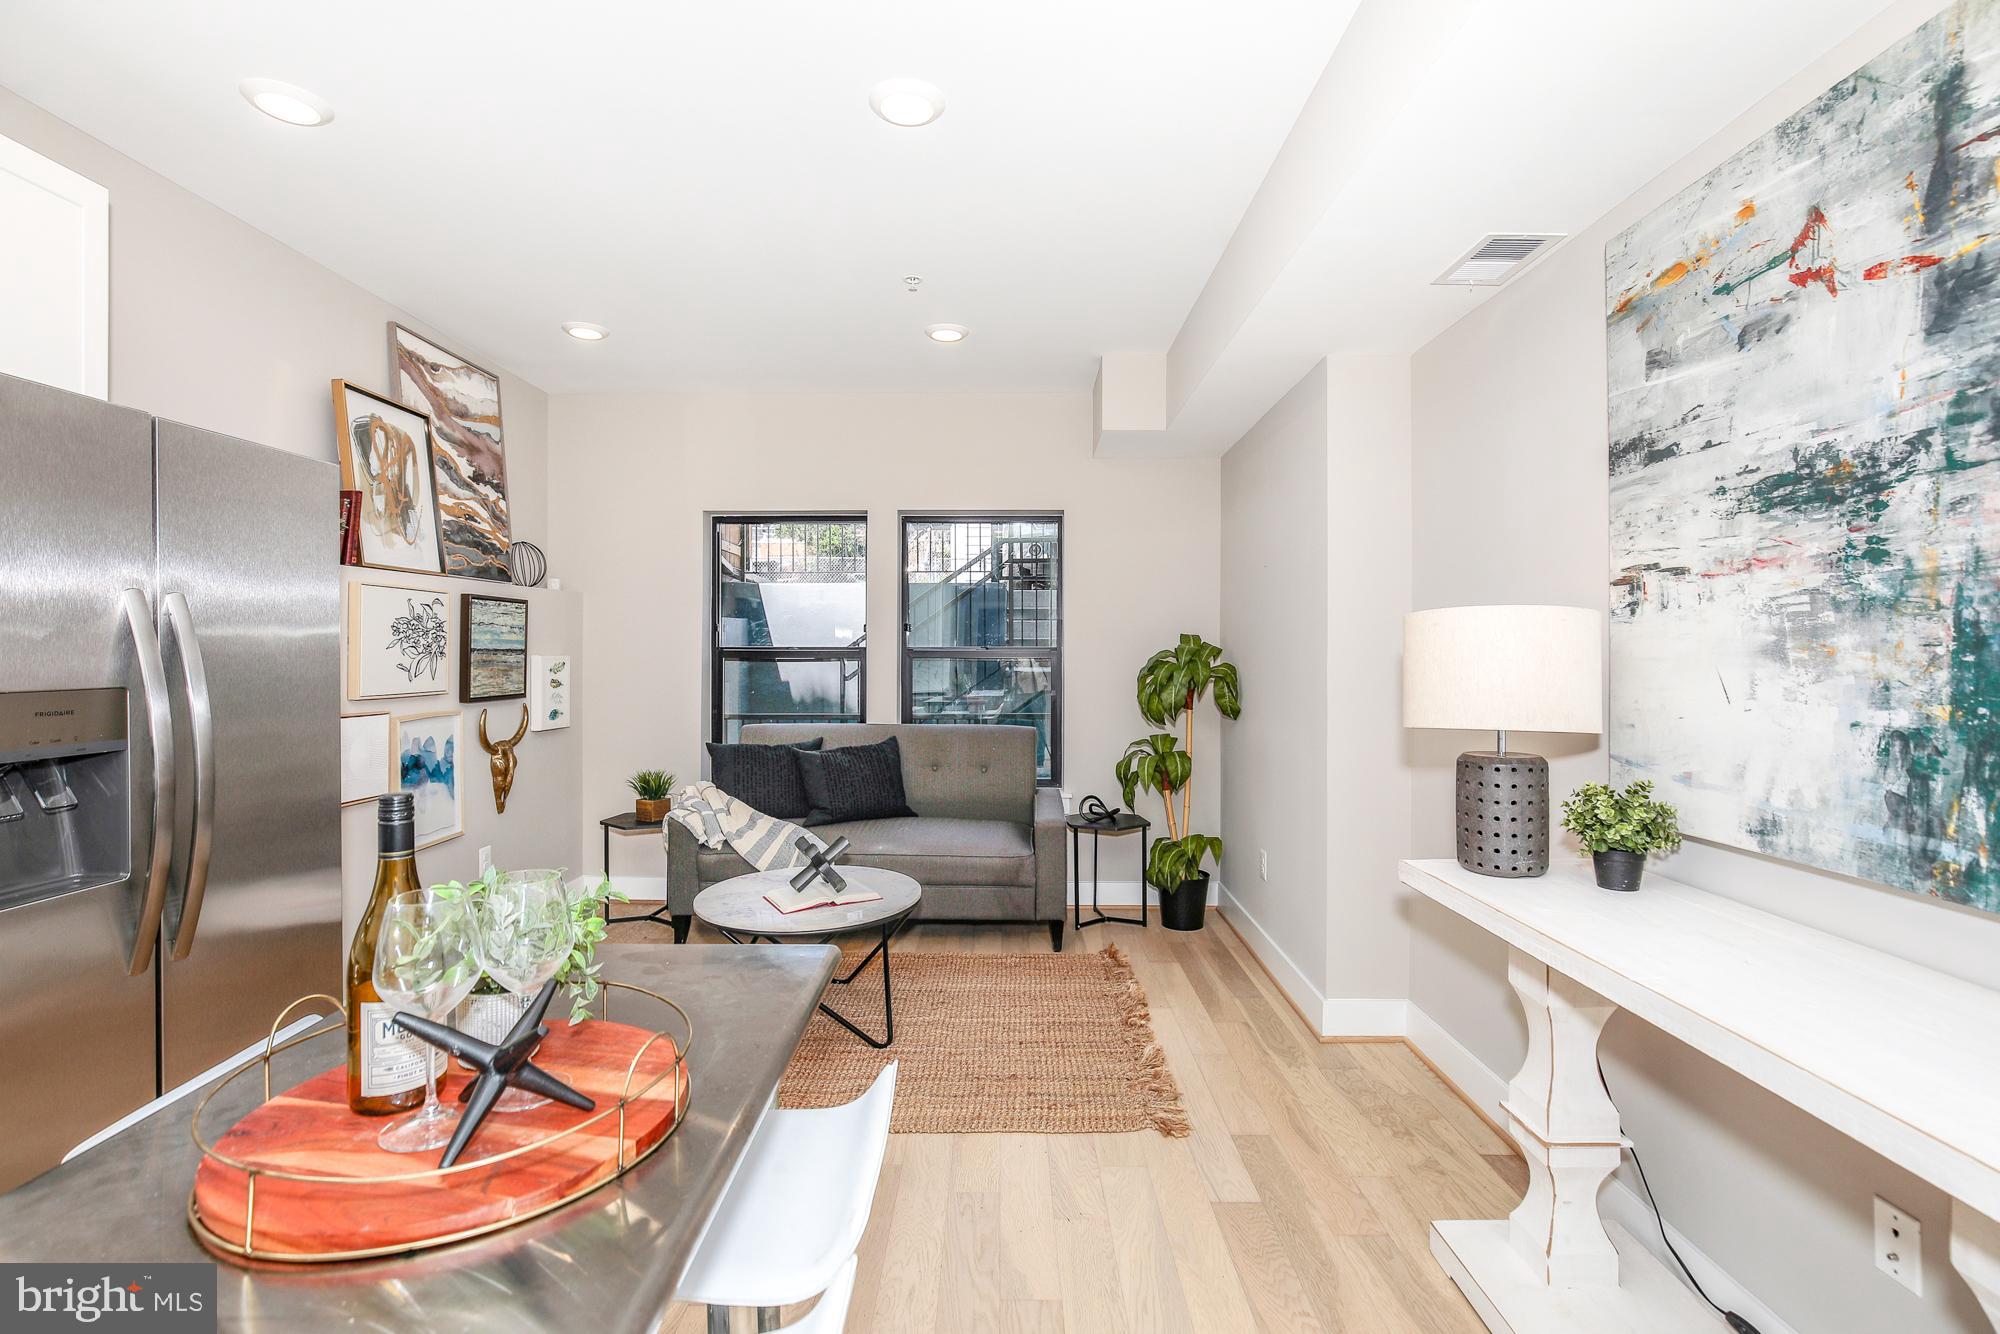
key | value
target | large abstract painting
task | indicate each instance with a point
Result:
(463, 401)
(1804, 355)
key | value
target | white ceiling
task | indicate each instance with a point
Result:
(1441, 121)
(708, 181)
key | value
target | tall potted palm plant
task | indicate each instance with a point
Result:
(1171, 683)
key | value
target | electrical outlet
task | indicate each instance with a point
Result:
(485, 860)
(1263, 864)
(1899, 1246)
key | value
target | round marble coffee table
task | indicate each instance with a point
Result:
(739, 909)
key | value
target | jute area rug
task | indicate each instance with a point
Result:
(1042, 1043)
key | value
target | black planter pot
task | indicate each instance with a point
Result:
(1618, 869)
(1184, 908)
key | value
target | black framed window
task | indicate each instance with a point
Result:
(982, 624)
(790, 594)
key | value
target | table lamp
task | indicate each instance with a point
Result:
(1504, 669)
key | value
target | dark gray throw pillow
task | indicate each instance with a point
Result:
(854, 783)
(765, 778)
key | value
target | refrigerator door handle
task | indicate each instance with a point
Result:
(160, 728)
(201, 719)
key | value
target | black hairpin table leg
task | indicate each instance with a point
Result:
(889, 930)
(1098, 914)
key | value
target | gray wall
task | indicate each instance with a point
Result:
(216, 324)
(1311, 497)
(1509, 421)
(1273, 621)
(1140, 559)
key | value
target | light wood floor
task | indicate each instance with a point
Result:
(1300, 1202)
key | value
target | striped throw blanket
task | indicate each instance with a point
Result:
(714, 818)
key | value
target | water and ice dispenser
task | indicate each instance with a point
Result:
(65, 793)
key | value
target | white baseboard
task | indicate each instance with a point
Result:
(1125, 894)
(1363, 1017)
(1474, 1079)
(1288, 975)
(1617, 1202)
(650, 888)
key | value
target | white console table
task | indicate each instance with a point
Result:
(1902, 1058)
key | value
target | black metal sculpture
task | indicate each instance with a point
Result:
(499, 1066)
(820, 865)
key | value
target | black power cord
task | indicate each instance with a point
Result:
(1736, 1322)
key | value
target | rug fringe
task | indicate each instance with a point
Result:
(1164, 1108)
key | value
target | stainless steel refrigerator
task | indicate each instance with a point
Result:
(169, 757)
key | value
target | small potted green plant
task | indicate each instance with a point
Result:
(654, 789)
(1618, 828)
(1171, 683)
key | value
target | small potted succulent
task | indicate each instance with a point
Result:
(1618, 828)
(654, 789)
(1171, 683)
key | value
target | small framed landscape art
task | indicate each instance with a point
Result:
(385, 454)
(549, 680)
(426, 759)
(493, 655)
(398, 641)
(463, 401)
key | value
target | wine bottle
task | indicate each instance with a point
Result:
(385, 1069)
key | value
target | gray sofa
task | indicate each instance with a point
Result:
(986, 843)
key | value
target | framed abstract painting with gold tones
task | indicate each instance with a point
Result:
(385, 454)
(1803, 354)
(463, 401)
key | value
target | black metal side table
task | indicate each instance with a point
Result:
(628, 822)
(1117, 827)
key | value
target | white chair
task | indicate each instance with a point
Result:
(795, 1211)
(830, 1316)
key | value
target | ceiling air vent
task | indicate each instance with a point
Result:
(1497, 258)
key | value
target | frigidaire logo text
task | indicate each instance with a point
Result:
(87, 1302)
(55, 713)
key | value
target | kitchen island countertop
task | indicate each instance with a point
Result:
(609, 1261)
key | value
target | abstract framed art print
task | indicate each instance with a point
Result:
(1803, 353)
(463, 402)
(426, 766)
(385, 454)
(493, 661)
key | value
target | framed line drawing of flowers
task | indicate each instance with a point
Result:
(399, 641)
(470, 456)
(385, 454)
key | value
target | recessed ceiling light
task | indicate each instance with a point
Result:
(947, 333)
(286, 102)
(907, 102)
(586, 333)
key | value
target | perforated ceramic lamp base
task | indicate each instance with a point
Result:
(1503, 813)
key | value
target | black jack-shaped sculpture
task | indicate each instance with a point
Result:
(499, 1066)
(820, 865)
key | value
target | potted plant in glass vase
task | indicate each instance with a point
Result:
(1171, 683)
(492, 1011)
(1618, 828)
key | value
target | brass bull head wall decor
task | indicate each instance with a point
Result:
(504, 760)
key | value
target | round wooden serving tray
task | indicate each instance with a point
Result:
(361, 1200)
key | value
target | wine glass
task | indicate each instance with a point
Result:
(424, 963)
(523, 936)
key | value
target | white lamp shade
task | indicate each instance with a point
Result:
(1516, 669)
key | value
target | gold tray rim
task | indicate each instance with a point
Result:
(247, 1249)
